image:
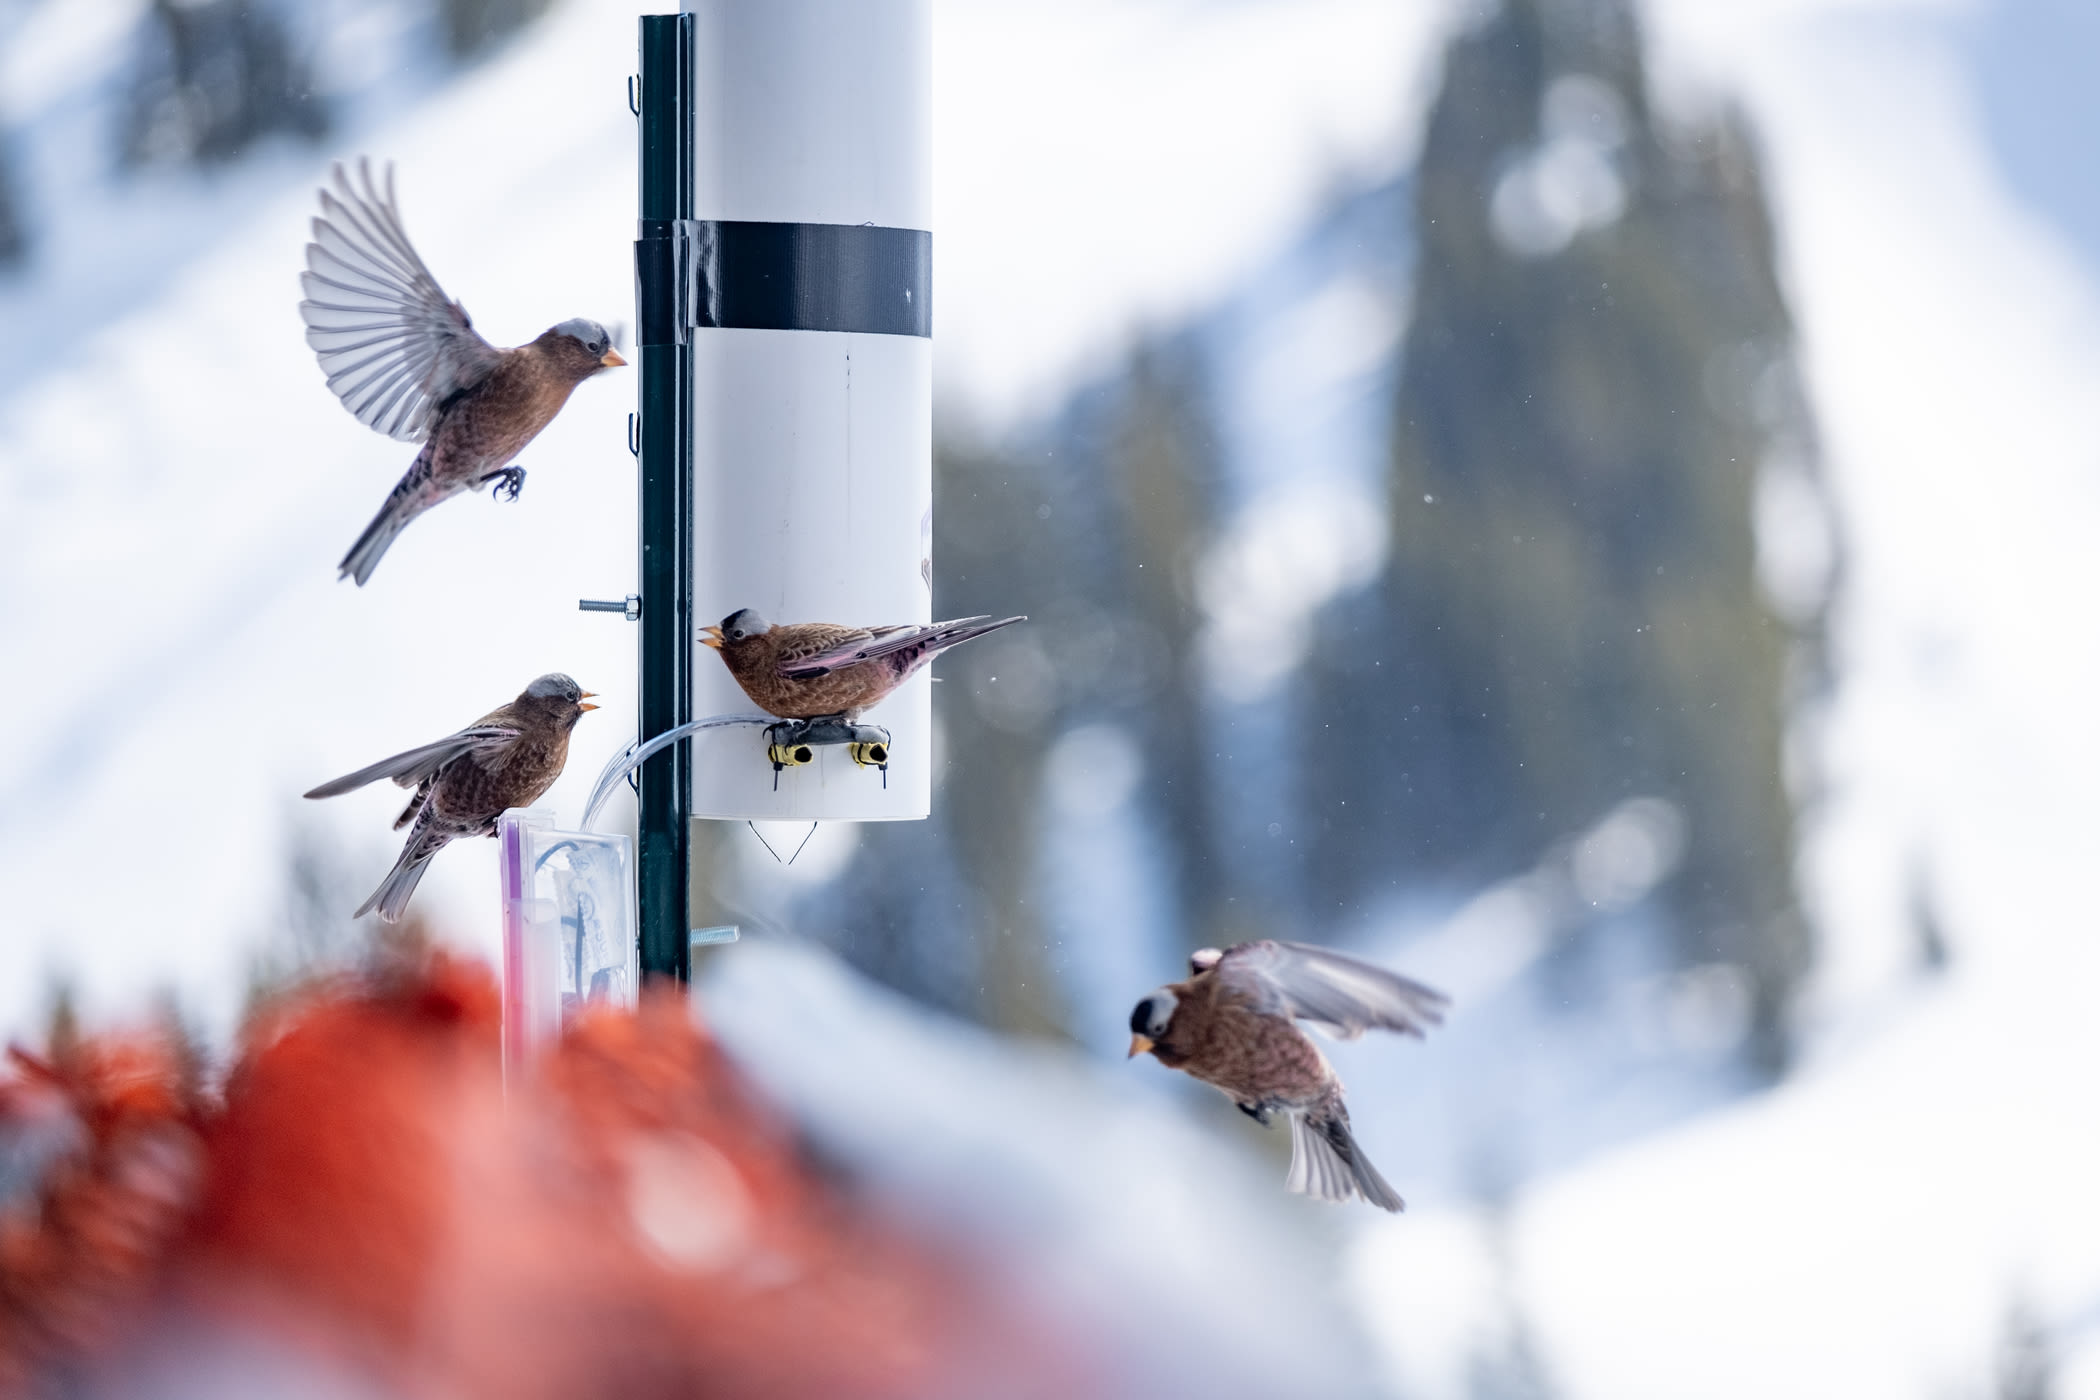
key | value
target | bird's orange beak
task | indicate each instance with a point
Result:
(1139, 1044)
(611, 359)
(587, 695)
(711, 636)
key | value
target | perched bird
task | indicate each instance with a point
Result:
(464, 781)
(405, 359)
(816, 670)
(1230, 1025)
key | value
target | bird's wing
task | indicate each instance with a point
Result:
(393, 345)
(794, 646)
(1331, 990)
(413, 766)
(884, 641)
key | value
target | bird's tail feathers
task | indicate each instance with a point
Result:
(404, 503)
(912, 647)
(954, 634)
(1327, 1165)
(392, 896)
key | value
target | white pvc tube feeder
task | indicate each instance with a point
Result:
(812, 395)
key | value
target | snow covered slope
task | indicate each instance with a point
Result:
(177, 487)
(1868, 1228)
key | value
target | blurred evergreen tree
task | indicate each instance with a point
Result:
(947, 910)
(1598, 364)
(2026, 1363)
(14, 229)
(210, 79)
(315, 934)
(472, 26)
(1163, 483)
(1095, 539)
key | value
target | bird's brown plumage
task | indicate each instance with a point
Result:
(491, 422)
(1219, 1035)
(755, 662)
(507, 758)
(1232, 1024)
(406, 360)
(811, 670)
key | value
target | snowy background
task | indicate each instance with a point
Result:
(1907, 1212)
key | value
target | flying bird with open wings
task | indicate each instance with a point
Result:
(464, 781)
(1231, 1025)
(818, 670)
(406, 360)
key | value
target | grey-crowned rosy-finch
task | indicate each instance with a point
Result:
(815, 670)
(464, 781)
(1231, 1026)
(405, 359)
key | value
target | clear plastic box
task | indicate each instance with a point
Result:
(568, 927)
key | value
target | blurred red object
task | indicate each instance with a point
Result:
(367, 1213)
(99, 1162)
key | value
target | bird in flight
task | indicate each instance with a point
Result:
(406, 360)
(1232, 1025)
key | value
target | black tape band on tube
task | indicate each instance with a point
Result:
(657, 288)
(787, 277)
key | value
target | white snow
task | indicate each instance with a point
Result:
(1122, 161)
(174, 490)
(1865, 1229)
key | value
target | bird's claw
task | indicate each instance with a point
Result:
(1259, 1112)
(509, 482)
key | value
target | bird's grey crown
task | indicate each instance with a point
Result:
(592, 334)
(555, 686)
(1150, 1017)
(744, 622)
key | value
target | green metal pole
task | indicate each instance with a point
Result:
(663, 345)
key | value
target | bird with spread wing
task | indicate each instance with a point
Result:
(1231, 1025)
(406, 360)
